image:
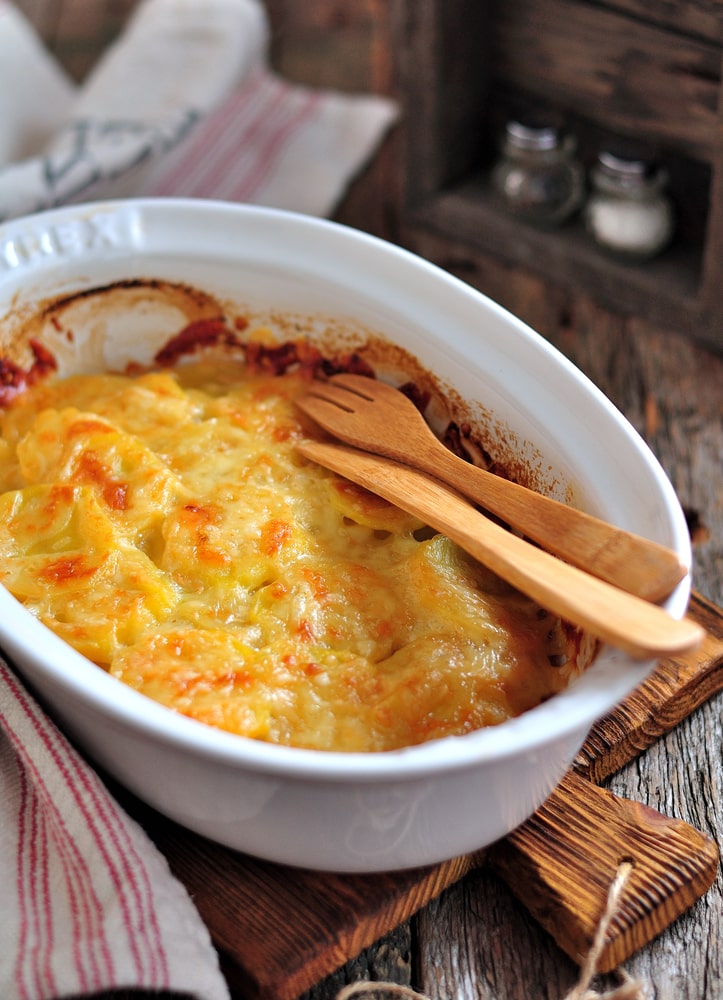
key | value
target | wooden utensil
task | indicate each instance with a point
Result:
(376, 417)
(280, 930)
(644, 630)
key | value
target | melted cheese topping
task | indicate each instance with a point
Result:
(165, 526)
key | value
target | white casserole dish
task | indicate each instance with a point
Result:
(342, 812)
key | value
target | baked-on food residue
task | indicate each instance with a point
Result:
(164, 525)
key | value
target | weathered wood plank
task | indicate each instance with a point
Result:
(475, 942)
(703, 18)
(441, 52)
(666, 288)
(630, 76)
(76, 31)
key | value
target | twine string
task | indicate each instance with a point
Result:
(628, 988)
(396, 990)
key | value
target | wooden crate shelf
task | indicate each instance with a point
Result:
(611, 69)
(668, 286)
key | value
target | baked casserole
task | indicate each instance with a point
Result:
(162, 522)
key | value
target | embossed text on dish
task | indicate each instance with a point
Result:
(70, 238)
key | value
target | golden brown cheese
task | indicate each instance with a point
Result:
(166, 527)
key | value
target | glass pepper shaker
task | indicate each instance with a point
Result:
(628, 212)
(538, 177)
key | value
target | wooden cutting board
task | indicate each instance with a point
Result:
(280, 930)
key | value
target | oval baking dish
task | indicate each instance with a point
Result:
(326, 810)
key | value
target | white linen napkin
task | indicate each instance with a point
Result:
(88, 903)
(183, 103)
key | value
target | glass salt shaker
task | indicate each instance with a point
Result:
(628, 212)
(538, 177)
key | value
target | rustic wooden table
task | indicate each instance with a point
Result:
(476, 942)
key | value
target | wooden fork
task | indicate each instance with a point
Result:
(378, 418)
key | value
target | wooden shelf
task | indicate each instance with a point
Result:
(654, 77)
(665, 289)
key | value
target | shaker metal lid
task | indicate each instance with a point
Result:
(531, 135)
(627, 164)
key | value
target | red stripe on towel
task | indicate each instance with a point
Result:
(123, 863)
(204, 157)
(85, 906)
(23, 919)
(268, 152)
(240, 142)
(229, 155)
(46, 904)
(126, 870)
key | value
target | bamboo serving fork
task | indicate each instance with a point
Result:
(614, 615)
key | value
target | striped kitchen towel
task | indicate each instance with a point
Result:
(182, 104)
(87, 902)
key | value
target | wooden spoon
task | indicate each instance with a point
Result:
(378, 418)
(643, 630)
